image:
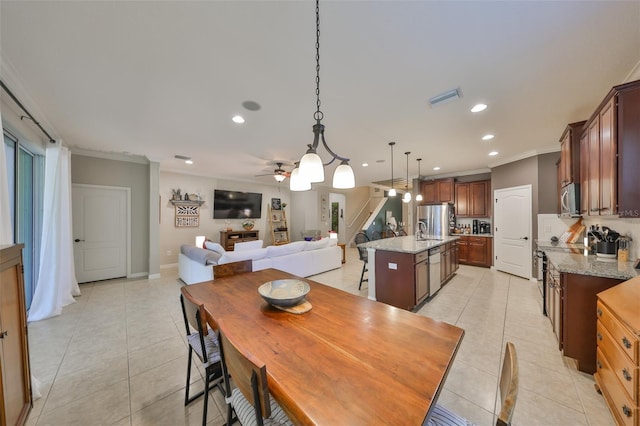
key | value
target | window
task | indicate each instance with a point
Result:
(25, 171)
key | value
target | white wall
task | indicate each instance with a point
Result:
(171, 238)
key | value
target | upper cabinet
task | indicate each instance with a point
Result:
(437, 191)
(610, 150)
(473, 199)
(569, 169)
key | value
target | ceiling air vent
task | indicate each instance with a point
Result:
(445, 97)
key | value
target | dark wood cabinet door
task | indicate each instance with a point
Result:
(584, 173)
(594, 166)
(395, 279)
(445, 190)
(565, 159)
(429, 192)
(478, 251)
(462, 199)
(608, 167)
(479, 195)
(463, 250)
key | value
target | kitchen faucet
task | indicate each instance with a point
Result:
(421, 230)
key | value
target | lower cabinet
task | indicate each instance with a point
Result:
(579, 328)
(448, 261)
(15, 379)
(396, 279)
(475, 251)
(617, 359)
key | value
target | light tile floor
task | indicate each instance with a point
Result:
(118, 355)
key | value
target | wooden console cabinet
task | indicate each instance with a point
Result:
(15, 378)
(228, 239)
(618, 357)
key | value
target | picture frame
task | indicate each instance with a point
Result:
(276, 204)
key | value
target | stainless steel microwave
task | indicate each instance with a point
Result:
(570, 200)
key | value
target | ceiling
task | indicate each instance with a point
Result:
(160, 79)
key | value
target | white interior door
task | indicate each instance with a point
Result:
(513, 229)
(100, 224)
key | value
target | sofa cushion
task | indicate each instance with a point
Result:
(315, 245)
(235, 256)
(248, 245)
(210, 245)
(285, 249)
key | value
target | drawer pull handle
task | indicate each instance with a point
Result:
(599, 312)
(598, 363)
(626, 343)
(599, 336)
(626, 375)
(2, 334)
(626, 410)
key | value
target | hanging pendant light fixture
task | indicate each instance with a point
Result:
(419, 196)
(407, 195)
(392, 191)
(311, 167)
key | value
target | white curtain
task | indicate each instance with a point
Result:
(57, 282)
(6, 230)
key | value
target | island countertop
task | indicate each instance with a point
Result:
(592, 265)
(407, 244)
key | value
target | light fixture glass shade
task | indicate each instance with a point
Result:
(297, 182)
(200, 241)
(407, 197)
(419, 197)
(279, 178)
(392, 192)
(343, 177)
(311, 167)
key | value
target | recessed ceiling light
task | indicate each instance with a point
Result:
(487, 137)
(478, 108)
(237, 119)
(365, 164)
(493, 153)
(436, 168)
(188, 161)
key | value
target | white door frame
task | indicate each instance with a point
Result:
(497, 226)
(128, 213)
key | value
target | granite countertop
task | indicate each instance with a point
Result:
(591, 265)
(407, 244)
(547, 246)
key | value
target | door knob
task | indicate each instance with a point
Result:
(2, 334)
(77, 240)
(524, 238)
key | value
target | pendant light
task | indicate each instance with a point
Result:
(419, 196)
(311, 167)
(392, 191)
(297, 182)
(407, 195)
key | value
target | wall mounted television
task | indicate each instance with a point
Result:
(236, 205)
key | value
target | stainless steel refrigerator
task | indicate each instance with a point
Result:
(439, 219)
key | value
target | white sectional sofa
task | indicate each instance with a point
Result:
(301, 258)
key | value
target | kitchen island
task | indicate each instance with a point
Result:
(402, 274)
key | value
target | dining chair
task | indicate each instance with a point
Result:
(440, 416)
(228, 269)
(250, 399)
(360, 238)
(204, 343)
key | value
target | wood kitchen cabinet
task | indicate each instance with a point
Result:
(437, 191)
(15, 379)
(569, 170)
(579, 298)
(475, 251)
(472, 199)
(610, 147)
(584, 174)
(618, 356)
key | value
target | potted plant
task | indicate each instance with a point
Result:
(248, 224)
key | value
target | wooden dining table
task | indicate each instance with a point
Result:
(347, 361)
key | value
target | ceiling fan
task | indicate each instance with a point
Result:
(279, 174)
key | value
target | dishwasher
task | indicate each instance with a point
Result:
(434, 270)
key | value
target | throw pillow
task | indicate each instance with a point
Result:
(210, 245)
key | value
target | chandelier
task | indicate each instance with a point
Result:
(311, 168)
